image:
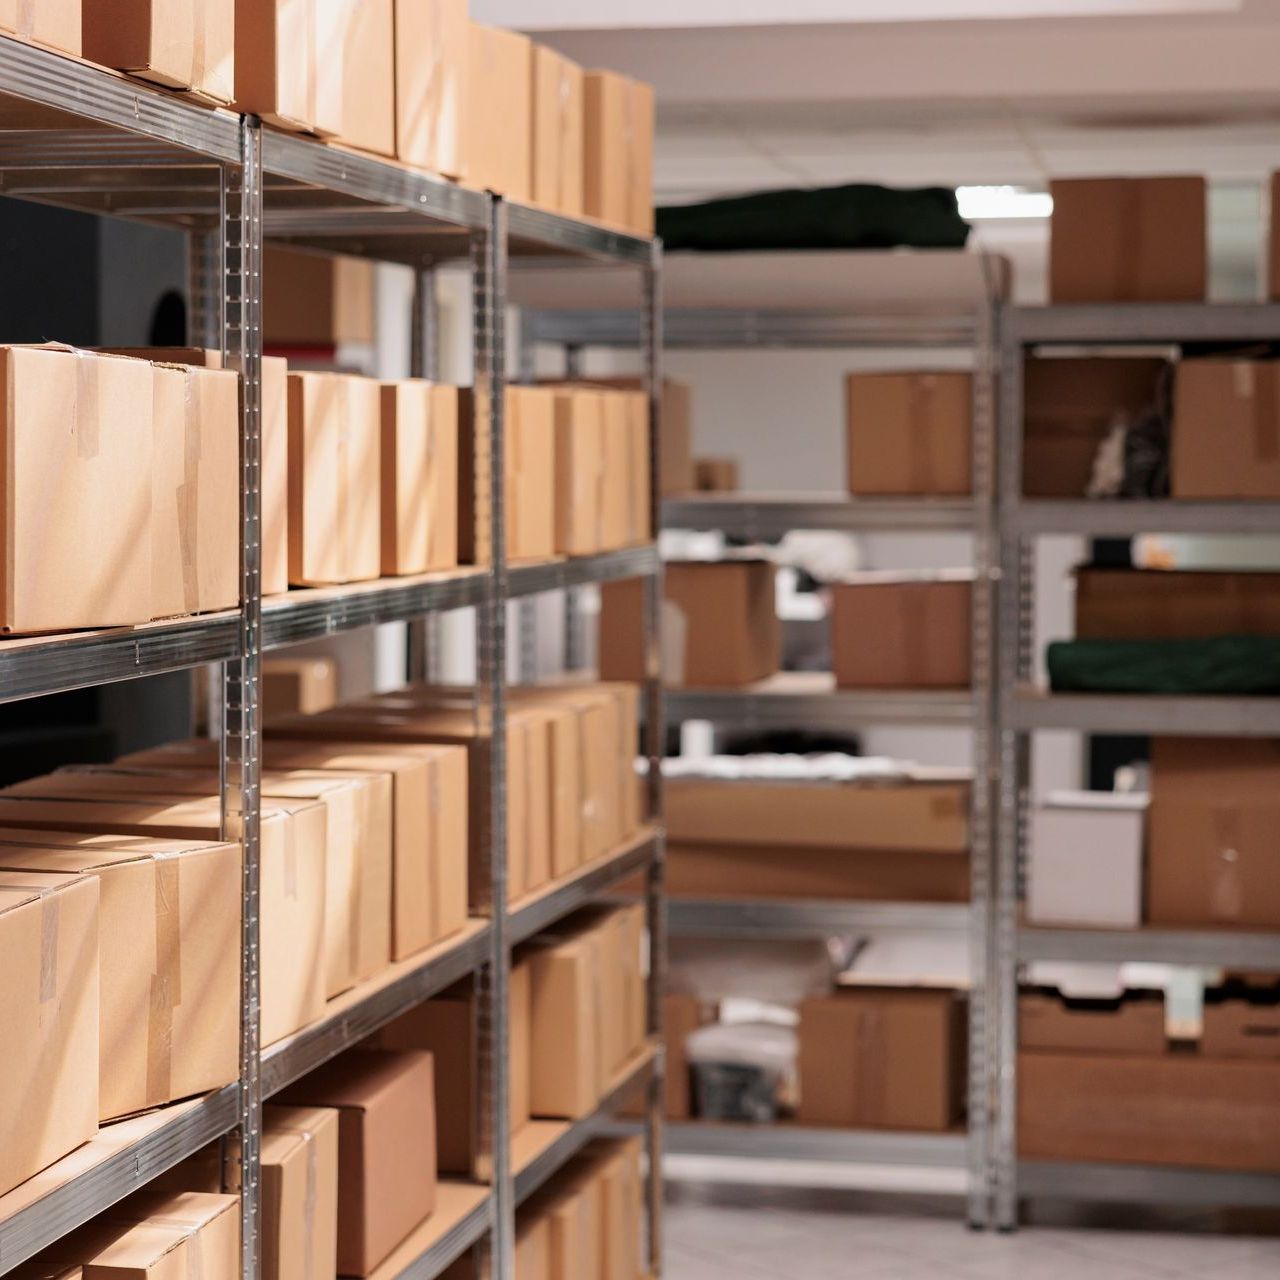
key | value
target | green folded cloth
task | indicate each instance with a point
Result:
(1220, 664)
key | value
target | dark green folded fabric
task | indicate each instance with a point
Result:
(1222, 664)
(859, 216)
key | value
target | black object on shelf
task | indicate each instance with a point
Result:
(1223, 665)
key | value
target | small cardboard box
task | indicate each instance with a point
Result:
(641, 125)
(299, 1193)
(579, 413)
(53, 23)
(1133, 1023)
(275, 62)
(1071, 405)
(334, 477)
(49, 1069)
(386, 1147)
(571, 1209)
(1213, 861)
(637, 469)
(909, 434)
(293, 686)
(419, 477)
(615, 490)
(888, 1058)
(559, 145)
(369, 80)
(181, 44)
(499, 116)
(433, 54)
(1241, 1028)
(169, 924)
(1128, 240)
(449, 1027)
(902, 631)
(618, 133)
(314, 301)
(616, 1167)
(1226, 429)
(1085, 861)
(716, 475)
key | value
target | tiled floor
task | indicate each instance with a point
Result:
(745, 1233)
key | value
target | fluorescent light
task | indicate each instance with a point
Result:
(979, 203)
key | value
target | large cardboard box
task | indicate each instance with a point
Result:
(571, 1208)
(333, 34)
(419, 477)
(369, 81)
(299, 1193)
(533, 1248)
(314, 301)
(1085, 860)
(169, 942)
(181, 44)
(618, 136)
(449, 1027)
(386, 1147)
(334, 477)
(1169, 604)
(77, 464)
(558, 142)
(580, 460)
(52, 23)
(1213, 859)
(275, 62)
(1071, 405)
(1241, 1027)
(902, 631)
(49, 1007)
(887, 1058)
(433, 59)
(293, 686)
(909, 433)
(1128, 240)
(1132, 1024)
(499, 115)
(615, 483)
(1226, 429)
(1175, 1110)
(616, 1168)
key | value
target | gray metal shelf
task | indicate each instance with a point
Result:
(770, 516)
(535, 232)
(1147, 1184)
(1123, 518)
(1146, 713)
(1206, 948)
(463, 1216)
(744, 918)
(801, 1142)
(581, 571)
(1142, 323)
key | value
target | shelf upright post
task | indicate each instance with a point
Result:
(423, 639)
(240, 755)
(489, 288)
(654, 749)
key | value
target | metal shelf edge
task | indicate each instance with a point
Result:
(1121, 517)
(771, 517)
(798, 1142)
(751, 707)
(608, 566)
(1158, 323)
(1207, 947)
(466, 1232)
(1150, 1184)
(536, 231)
(1198, 715)
(743, 918)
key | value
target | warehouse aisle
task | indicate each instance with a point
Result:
(744, 1233)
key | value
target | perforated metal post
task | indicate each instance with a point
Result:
(422, 653)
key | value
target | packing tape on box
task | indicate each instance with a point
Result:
(86, 412)
(290, 857)
(869, 1081)
(27, 18)
(1128, 278)
(355, 913)
(920, 412)
(50, 915)
(435, 847)
(346, 540)
(311, 1195)
(166, 980)
(1266, 428)
(189, 493)
(199, 54)
(191, 1236)
(915, 620)
(1226, 884)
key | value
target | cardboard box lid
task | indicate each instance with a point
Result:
(87, 852)
(21, 888)
(286, 1129)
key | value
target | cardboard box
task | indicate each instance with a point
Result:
(314, 301)
(1241, 1028)
(902, 631)
(888, 1058)
(181, 44)
(1085, 860)
(641, 125)
(419, 477)
(571, 1208)
(638, 470)
(299, 1193)
(169, 924)
(1213, 860)
(433, 51)
(1273, 245)
(1226, 429)
(716, 475)
(77, 459)
(369, 77)
(558, 140)
(49, 1069)
(616, 1166)
(1071, 405)
(1132, 1024)
(293, 686)
(291, 888)
(1168, 604)
(1128, 240)
(580, 459)
(909, 434)
(618, 145)
(449, 1027)
(499, 115)
(334, 476)
(52, 23)
(533, 1248)
(275, 62)
(615, 484)
(1173, 1110)
(386, 1147)
(675, 432)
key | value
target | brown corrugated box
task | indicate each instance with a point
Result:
(299, 1193)
(314, 301)
(909, 433)
(533, 1248)
(618, 149)
(369, 77)
(902, 631)
(675, 429)
(558, 142)
(641, 125)
(169, 923)
(1148, 604)
(716, 475)
(275, 62)
(1128, 240)
(1174, 1110)
(386, 1147)
(1134, 1023)
(433, 58)
(49, 1068)
(1241, 1028)
(181, 44)
(571, 1208)
(333, 22)
(449, 1027)
(1273, 244)
(1071, 405)
(334, 477)
(52, 23)
(580, 460)
(499, 115)
(1226, 429)
(615, 491)
(888, 1058)
(616, 1168)
(1212, 859)
(292, 686)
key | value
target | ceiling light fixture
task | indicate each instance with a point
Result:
(983, 203)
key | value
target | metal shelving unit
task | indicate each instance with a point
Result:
(1021, 710)
(98, 142)
(714, 303)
